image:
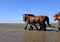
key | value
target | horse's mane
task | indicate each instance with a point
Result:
(46, 17)
(29, 14)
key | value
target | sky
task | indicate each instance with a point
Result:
(11, 11)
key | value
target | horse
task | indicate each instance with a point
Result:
(27, 18)
(32, 20)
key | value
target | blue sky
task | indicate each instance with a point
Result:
(11, 11)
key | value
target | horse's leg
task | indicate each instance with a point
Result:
(26, 26)
(36, 26)
(40, 26)
(31, 28)
(44, 27)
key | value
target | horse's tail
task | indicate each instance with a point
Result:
(47, 20)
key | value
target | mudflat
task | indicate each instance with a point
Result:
(16, 33)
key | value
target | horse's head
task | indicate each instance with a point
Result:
(26, 16)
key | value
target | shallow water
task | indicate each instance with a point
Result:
(18, 34)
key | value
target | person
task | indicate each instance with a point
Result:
(57, 17)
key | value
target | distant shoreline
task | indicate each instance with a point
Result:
(22, 23)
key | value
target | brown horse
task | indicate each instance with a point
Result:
(32, 20)
(28, 20)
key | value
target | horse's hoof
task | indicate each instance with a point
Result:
(40, 29)
(32, 29)
(29, 29)
(59, 29)
(25, 28)
(44, 29)
(37, 29)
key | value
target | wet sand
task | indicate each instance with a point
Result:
(16, 33)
